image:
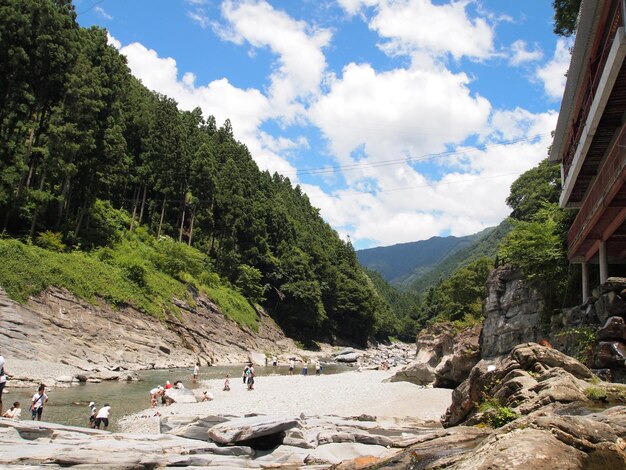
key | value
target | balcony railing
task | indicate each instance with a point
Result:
(601, 191)
(591, 79)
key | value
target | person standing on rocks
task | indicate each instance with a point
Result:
(103, 416)
(305, 367)
(196, 371)
(92, 414)
(291, 366)
(39, 400)
(3, 380)
(227, 383)
(251, 378)
(318, 367)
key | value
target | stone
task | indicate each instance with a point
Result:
(610, 354)
(348, 357)
(256, 358)
(609, 304)
(338, 452)
(523, 448)
(528, 378)
(183, 395)
(613, 284)
(444, 358)
(243, 429)
(613, 329)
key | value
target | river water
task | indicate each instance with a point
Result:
(69, 405)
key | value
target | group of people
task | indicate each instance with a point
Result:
(305, 367)
(162, 392)
(98, 417)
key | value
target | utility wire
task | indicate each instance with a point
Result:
(398, 161)
(90, 8)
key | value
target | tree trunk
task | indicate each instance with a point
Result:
(182, 224)
(162, 215)
(63, 200)
(135, 203)
(193, 217)
(36, 214)
(143, 204)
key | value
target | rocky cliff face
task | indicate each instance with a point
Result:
(56, 326)
(512, 313)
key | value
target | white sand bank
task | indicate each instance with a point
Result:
(346, 394)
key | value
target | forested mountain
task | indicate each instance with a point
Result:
(406, 263)
(484, 246)
(88, 155)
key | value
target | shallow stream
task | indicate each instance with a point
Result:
(69, 405)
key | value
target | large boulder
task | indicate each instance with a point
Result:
(347, 357)
(183, 395)
(512, 312)
(529, 377)
(444, 357)
(246, 429)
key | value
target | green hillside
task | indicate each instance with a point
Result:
(403, 263)
(485, 245)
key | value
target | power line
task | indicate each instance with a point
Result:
(90, 8)
(433, 185)
(398, 161)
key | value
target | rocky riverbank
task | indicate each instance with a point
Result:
(287, 421)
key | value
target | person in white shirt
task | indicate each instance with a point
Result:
(103, 416)
(39, 400)
(15, 412)
(196, 370)
(3, 380)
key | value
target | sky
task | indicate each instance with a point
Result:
(400, 119)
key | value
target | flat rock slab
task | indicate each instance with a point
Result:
(243, 429)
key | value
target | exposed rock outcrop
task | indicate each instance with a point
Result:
(444, 356)
(526, 380)
(512, 312)
(56, 326)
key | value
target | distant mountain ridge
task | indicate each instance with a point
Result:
(416, 266)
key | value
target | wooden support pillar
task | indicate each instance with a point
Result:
(585, 275)
(604, 263)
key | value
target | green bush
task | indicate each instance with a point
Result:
(596, 393)
(52, 241)
(105, 225)
(496, 415)
(174, 258)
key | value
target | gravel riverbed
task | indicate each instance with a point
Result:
(346, 394)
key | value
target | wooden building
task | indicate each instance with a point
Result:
(590, 140)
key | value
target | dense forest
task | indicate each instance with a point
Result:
(89, 157)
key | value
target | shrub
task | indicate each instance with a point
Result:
(52, 241)
(106, 224)
(496, 415)
(596, 393)
(174, 258)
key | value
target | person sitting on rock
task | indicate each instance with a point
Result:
(15, 412)
(206, 396)
(178, 385)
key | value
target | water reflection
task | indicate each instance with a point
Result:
(70, 405)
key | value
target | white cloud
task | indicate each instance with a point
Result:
(246, 109)
(301, 63)
(520, 53)
(102, 13)
(199, 17)
(552, 74)
(415, 111)
(422, 25)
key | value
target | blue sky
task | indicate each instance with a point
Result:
(401, 119)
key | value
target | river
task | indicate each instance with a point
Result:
(69, 405)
